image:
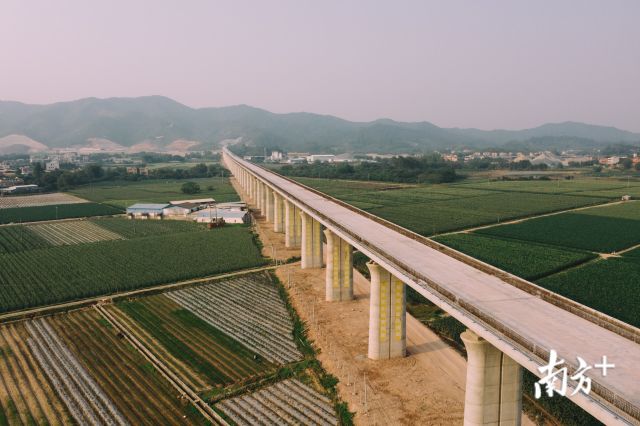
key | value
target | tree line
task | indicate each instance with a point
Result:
(66, 178)
(425, 169)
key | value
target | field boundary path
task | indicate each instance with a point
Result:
(77, 304)
(204, 408)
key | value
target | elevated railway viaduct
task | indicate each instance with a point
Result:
(511, 323)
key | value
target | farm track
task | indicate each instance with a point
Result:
(259, 318)
(77, 304)
(289, 402)
(86, 401)
(142, 397)
(200, 405)
(73, 232)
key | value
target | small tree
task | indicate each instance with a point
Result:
(190, 188)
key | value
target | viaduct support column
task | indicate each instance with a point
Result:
(292, 225)
(387, 315)
(254, 190)
(339, 268)
(493, 394)
(269, 193)
(278, 213)
(260, 197)
(311, 243)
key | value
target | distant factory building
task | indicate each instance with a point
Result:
(146, 211)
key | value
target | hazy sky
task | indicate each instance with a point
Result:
(485, 64)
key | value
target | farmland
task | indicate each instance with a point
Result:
(53, 212)
(58, 274)
(73, 232)
(608, 285)
(35, 200)
(433, 209)
(247, 308)
(602, 229)
(144, 228)
(204, 356)
(287, 402)
(82, 396)
(122, 194)
(527, 260)
(18, 238)
(26, 395)
(137, 390)
(73, 369)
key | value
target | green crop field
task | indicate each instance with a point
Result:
(610, 286)
(19, 238)
(527, 260)
(58, 211)
(600, 229)
(58, 274)
(433, 209)
(578, 186)
(122, 194)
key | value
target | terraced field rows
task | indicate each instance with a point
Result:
(289, 402)
(247, 308)
(85, 400)
(39, 200)
(25, 394)
(73, 232)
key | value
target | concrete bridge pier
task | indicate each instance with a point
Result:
(269, 202)
(278, 213)
(339, 268)
(387, 315)
(493, 394)
(260, 196)
(311, 242)
(292, 225)
(254, 190)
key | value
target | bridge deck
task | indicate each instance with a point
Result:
(534, 319)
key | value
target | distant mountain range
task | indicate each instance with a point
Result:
(156, 123)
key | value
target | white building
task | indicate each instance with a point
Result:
(52, 165)
(229, 216)
(180, 210)
(277, 156)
